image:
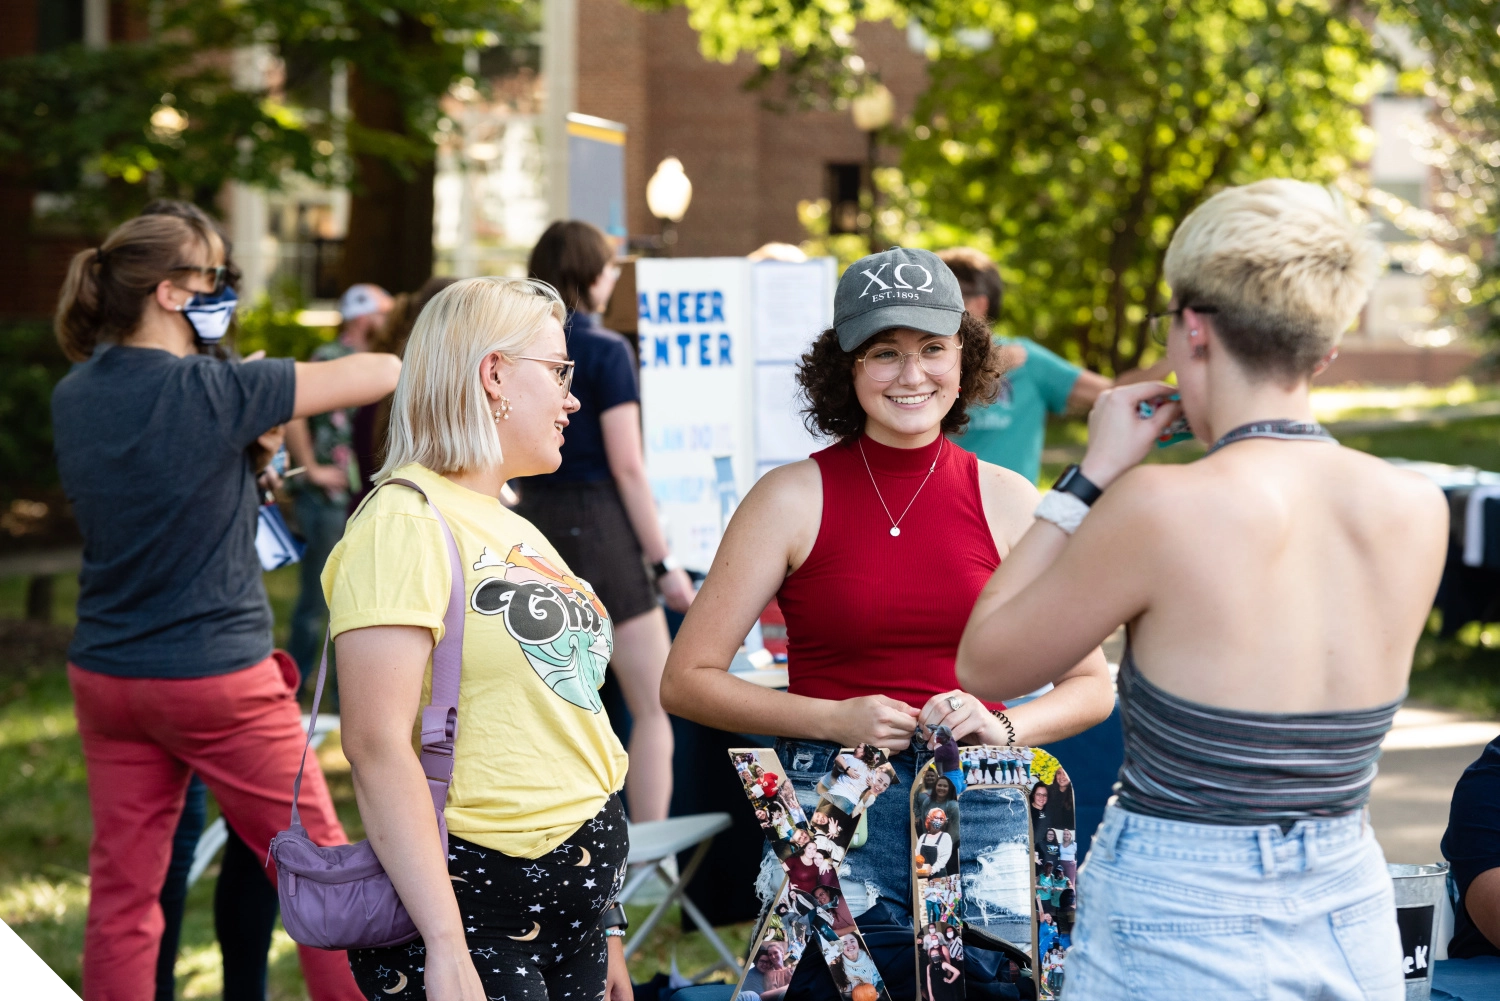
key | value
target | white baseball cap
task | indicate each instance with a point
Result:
(362, 300)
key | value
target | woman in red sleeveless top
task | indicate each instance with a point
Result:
(876, 549)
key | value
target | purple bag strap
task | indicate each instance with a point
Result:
(440, 716)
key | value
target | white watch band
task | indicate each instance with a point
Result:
(1062, 509)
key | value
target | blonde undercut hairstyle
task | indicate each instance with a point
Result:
(1285, 268)
(440, 416)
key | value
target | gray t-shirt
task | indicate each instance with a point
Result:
(152, 453)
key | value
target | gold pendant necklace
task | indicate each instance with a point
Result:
(896, 522)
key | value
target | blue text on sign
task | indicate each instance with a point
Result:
(684, 350)
(683, 307)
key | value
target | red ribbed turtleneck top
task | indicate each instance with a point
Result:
(869, 613)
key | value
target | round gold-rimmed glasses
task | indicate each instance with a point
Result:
(884, 362)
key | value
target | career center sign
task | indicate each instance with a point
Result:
(719, 339)
(696, 393)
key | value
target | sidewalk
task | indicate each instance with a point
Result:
(1423, 756)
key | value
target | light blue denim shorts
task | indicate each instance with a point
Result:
(1171, 910)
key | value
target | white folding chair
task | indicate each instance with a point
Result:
(651, 845)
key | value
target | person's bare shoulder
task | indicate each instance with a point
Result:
(789, 483)
(1144, 505)
(787, 500)
(1403, 500)
(1009, 500)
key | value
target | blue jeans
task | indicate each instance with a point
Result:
(881, 868)
(322, 525)
(1171, 910)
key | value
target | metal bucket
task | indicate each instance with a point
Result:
(1421, 892)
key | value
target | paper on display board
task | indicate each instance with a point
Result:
(793, 305)
(719, 342)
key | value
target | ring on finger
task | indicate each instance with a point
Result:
(955, 703)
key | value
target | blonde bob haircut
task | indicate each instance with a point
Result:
(1285, 268)
(440, 416)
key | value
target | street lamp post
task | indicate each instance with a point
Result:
(668, 194)
(872, 111)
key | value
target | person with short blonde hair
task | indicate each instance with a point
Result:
(536, 834)
(1284, 273)
(1273, 592)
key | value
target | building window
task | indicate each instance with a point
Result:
(844, 185)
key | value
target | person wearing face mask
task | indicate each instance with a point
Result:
(244, 899)
(875, 548)
(171, 663)
(523, 904)
(597, 507)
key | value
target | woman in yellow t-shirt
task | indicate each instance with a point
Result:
(537, 838)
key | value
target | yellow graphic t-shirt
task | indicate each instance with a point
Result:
(535, 756)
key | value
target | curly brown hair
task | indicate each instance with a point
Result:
(826, 375)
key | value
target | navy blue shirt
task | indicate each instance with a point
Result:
(1472, 845)
(604, 377)
(152, 453)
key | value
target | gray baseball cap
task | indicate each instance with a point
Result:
(896, 288)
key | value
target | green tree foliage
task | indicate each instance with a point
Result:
(116, 127)
(1460, 70)
(1076, 136)
(111, 129)
(1069, 137)
(30, 365)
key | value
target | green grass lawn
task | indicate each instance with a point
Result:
(44, 822)
(45, 827)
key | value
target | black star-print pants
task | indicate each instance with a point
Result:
(532, 924)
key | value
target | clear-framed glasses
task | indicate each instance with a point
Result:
(562, 369)
(884, 362)
(209, 272)
(1161, 323)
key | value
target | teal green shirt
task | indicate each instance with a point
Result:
(1010, 431)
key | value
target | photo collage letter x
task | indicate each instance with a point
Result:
(810, 907)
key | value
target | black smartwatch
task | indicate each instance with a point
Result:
(666, 566)
(1072, 481)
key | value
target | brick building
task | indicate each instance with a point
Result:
(749, 165)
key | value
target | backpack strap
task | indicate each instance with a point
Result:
(440, 716)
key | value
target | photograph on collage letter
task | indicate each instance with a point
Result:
(810, 907)
(1055, 855)
(853, 970)
(937, 896)
(772, 798)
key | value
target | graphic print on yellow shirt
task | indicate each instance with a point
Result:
(534, 757)
(560, 624)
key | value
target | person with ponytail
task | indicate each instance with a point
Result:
(171, 664)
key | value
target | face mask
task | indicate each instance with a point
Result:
(209, 315)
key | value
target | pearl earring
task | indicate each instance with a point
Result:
(502, 413)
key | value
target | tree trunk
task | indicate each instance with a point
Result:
(389, 241)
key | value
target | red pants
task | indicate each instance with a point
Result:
(142, 737)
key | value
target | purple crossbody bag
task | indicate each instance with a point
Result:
(340, 897)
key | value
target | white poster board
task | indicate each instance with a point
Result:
(720, 338)
(697, 400)
(793, 305)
